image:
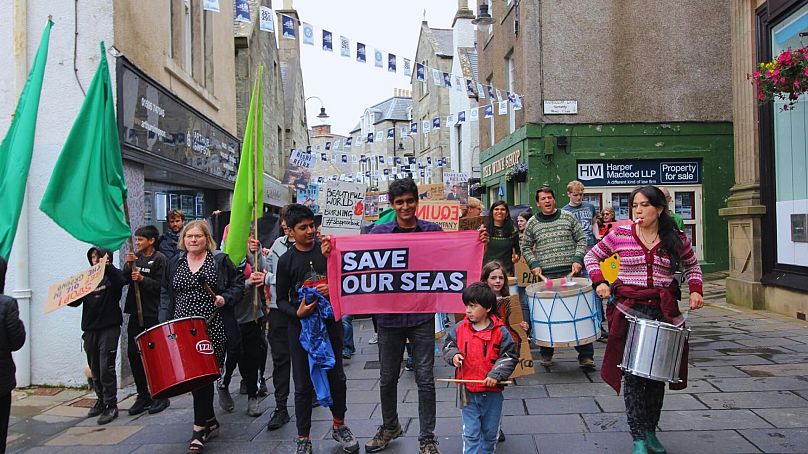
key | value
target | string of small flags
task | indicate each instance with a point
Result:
(472, 87)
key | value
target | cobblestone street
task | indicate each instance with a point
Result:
(748, 394)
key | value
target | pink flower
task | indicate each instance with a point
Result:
(756, 74)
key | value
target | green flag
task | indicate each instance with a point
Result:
(17, 147)
(86, 192)
(249, 190)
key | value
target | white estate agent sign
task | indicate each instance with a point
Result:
(560, 107)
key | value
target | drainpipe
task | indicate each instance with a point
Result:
(19, 253)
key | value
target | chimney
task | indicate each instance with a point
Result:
(463, 11)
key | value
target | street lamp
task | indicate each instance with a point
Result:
(484, 17)
(322, 115)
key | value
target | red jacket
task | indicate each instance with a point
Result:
(490, 352)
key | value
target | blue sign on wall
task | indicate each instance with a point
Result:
(640, 172)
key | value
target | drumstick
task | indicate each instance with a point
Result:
(213, 294)
(463, 380)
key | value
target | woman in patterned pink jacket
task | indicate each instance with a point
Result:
(650, 251)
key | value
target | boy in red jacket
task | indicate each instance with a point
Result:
(481, 349)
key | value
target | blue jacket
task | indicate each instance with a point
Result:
(420, 226)
(314, 339)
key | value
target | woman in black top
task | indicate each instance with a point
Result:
(503, 245)
(184, 295)
(12, 337)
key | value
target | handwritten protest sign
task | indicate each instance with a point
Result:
(400, 274)
(444, 212)
(77, 286)
(510, 312)
(522, 273)
(343, 208)
(472, 223)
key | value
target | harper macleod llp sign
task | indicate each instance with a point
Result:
(640, 172)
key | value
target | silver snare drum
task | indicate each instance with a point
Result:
(654, 349)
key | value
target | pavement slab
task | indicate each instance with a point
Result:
(710, 420)
(778, 440)
(89, 436)
(754, 399)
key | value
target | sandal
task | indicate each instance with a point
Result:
(197, 444)
(211, 430)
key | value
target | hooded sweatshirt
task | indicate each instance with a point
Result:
(101, 308)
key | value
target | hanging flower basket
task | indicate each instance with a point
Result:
(517, 173)
(783, 79)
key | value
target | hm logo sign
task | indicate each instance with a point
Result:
(590, 171)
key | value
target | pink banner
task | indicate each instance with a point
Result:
(398, 273)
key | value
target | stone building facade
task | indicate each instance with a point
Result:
(766, 212)
(606, 85)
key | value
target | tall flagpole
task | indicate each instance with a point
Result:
(256, 196)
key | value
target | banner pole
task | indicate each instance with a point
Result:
(136, 285)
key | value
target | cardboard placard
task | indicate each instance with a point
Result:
(443, 212)
(510, 312)
(343, 208)
(522, 273)
(74, 287)
(471, 223)
(430, 191)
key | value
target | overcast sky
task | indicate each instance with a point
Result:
(346, 86)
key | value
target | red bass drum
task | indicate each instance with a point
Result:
(177, 356)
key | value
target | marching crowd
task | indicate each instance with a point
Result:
(182, 274)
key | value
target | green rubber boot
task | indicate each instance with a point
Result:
(640, 447)
(653, 443)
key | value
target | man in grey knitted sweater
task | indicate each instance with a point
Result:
(553, 246)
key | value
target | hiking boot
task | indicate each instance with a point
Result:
(587, 363)
(226, 401)
(640, 447)
(97, 409)
(109, 414)
(262, 387)
(253, 409)
(242, 387)
(142, 403)
(158, 405)
(303, 446)
(382, 438)
(374, 339)
(345, 437)
(545, 360)
(279, 417)
(429, 446)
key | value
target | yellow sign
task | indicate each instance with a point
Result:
(610, 267)
(77, 286)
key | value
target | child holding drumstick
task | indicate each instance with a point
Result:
(484, 353)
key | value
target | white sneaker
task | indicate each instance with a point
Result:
(374, 339)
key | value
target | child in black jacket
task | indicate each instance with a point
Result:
(101, 322)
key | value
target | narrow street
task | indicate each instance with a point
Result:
(748, 394)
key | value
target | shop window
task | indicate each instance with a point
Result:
(621, 205)
(685, 205)
(159, 206)
(690, 231)
(790, 149)
(594, 199)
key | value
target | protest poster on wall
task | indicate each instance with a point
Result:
(509, 311)
(302, 159)
(74, 287)
(456, 186)
(309, 197)
(390, 273)
(371, 206)
(443, 212)
(344, 208)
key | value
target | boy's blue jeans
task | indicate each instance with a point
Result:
(481, 419)
(348, 348)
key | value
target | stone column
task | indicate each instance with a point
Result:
(744, 209)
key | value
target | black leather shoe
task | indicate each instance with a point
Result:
(142, 403)
(159, 405)
(109, 414)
